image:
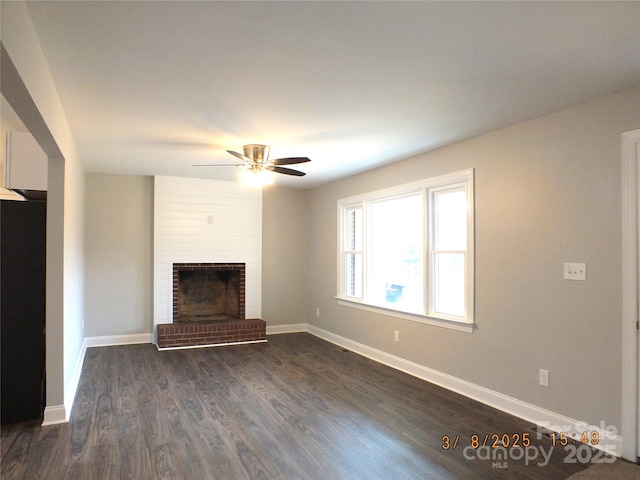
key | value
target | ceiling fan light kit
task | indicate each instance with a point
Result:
(256, 178)
(257, 163)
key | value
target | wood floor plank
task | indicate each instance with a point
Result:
(53, 445)
(16, 443)
(293, 408)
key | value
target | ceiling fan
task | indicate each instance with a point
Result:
(256, 159)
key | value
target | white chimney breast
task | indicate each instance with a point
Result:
(182, 233)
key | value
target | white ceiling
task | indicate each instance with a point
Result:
(153, 87)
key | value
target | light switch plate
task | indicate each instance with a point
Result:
(575, 271)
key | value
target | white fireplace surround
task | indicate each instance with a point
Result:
(205, 221)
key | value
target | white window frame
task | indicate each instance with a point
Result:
(461, 179)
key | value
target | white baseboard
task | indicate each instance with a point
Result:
(111, 340)
(290, 328)
(70, 392)
(54, 415)
(609, 439)
(210, 345)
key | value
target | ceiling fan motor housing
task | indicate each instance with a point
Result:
(256, 152)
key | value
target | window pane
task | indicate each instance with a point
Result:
(353, 229)
(450, 220)
(353, 274)
(448, 283)
(395, 254)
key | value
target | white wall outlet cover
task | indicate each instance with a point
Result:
(543, 377)
(575, 271)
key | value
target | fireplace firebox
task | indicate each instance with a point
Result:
(208, 291)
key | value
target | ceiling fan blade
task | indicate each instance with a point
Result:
(290, 160)
(240, 156)
(287, 171)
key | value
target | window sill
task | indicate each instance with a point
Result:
(429, 320)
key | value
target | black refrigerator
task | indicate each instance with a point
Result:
(22, 309)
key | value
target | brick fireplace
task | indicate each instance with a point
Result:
(209, 307)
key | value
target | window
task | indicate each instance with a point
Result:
(353, 252)
(408, 251)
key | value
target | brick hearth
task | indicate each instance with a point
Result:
(171, 335)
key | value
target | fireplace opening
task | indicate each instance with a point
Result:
(208, 292)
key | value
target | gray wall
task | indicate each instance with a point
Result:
(119, 213)
(548, 191)
(285, 256)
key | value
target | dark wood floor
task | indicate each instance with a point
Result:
(294, 408)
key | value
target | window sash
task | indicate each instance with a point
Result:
(449, 213)
(352, 248)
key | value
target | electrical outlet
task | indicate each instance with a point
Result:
(575, 271)
(396, 335)
(543, 377)
(318, 312)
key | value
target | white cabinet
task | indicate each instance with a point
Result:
(25, 166)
